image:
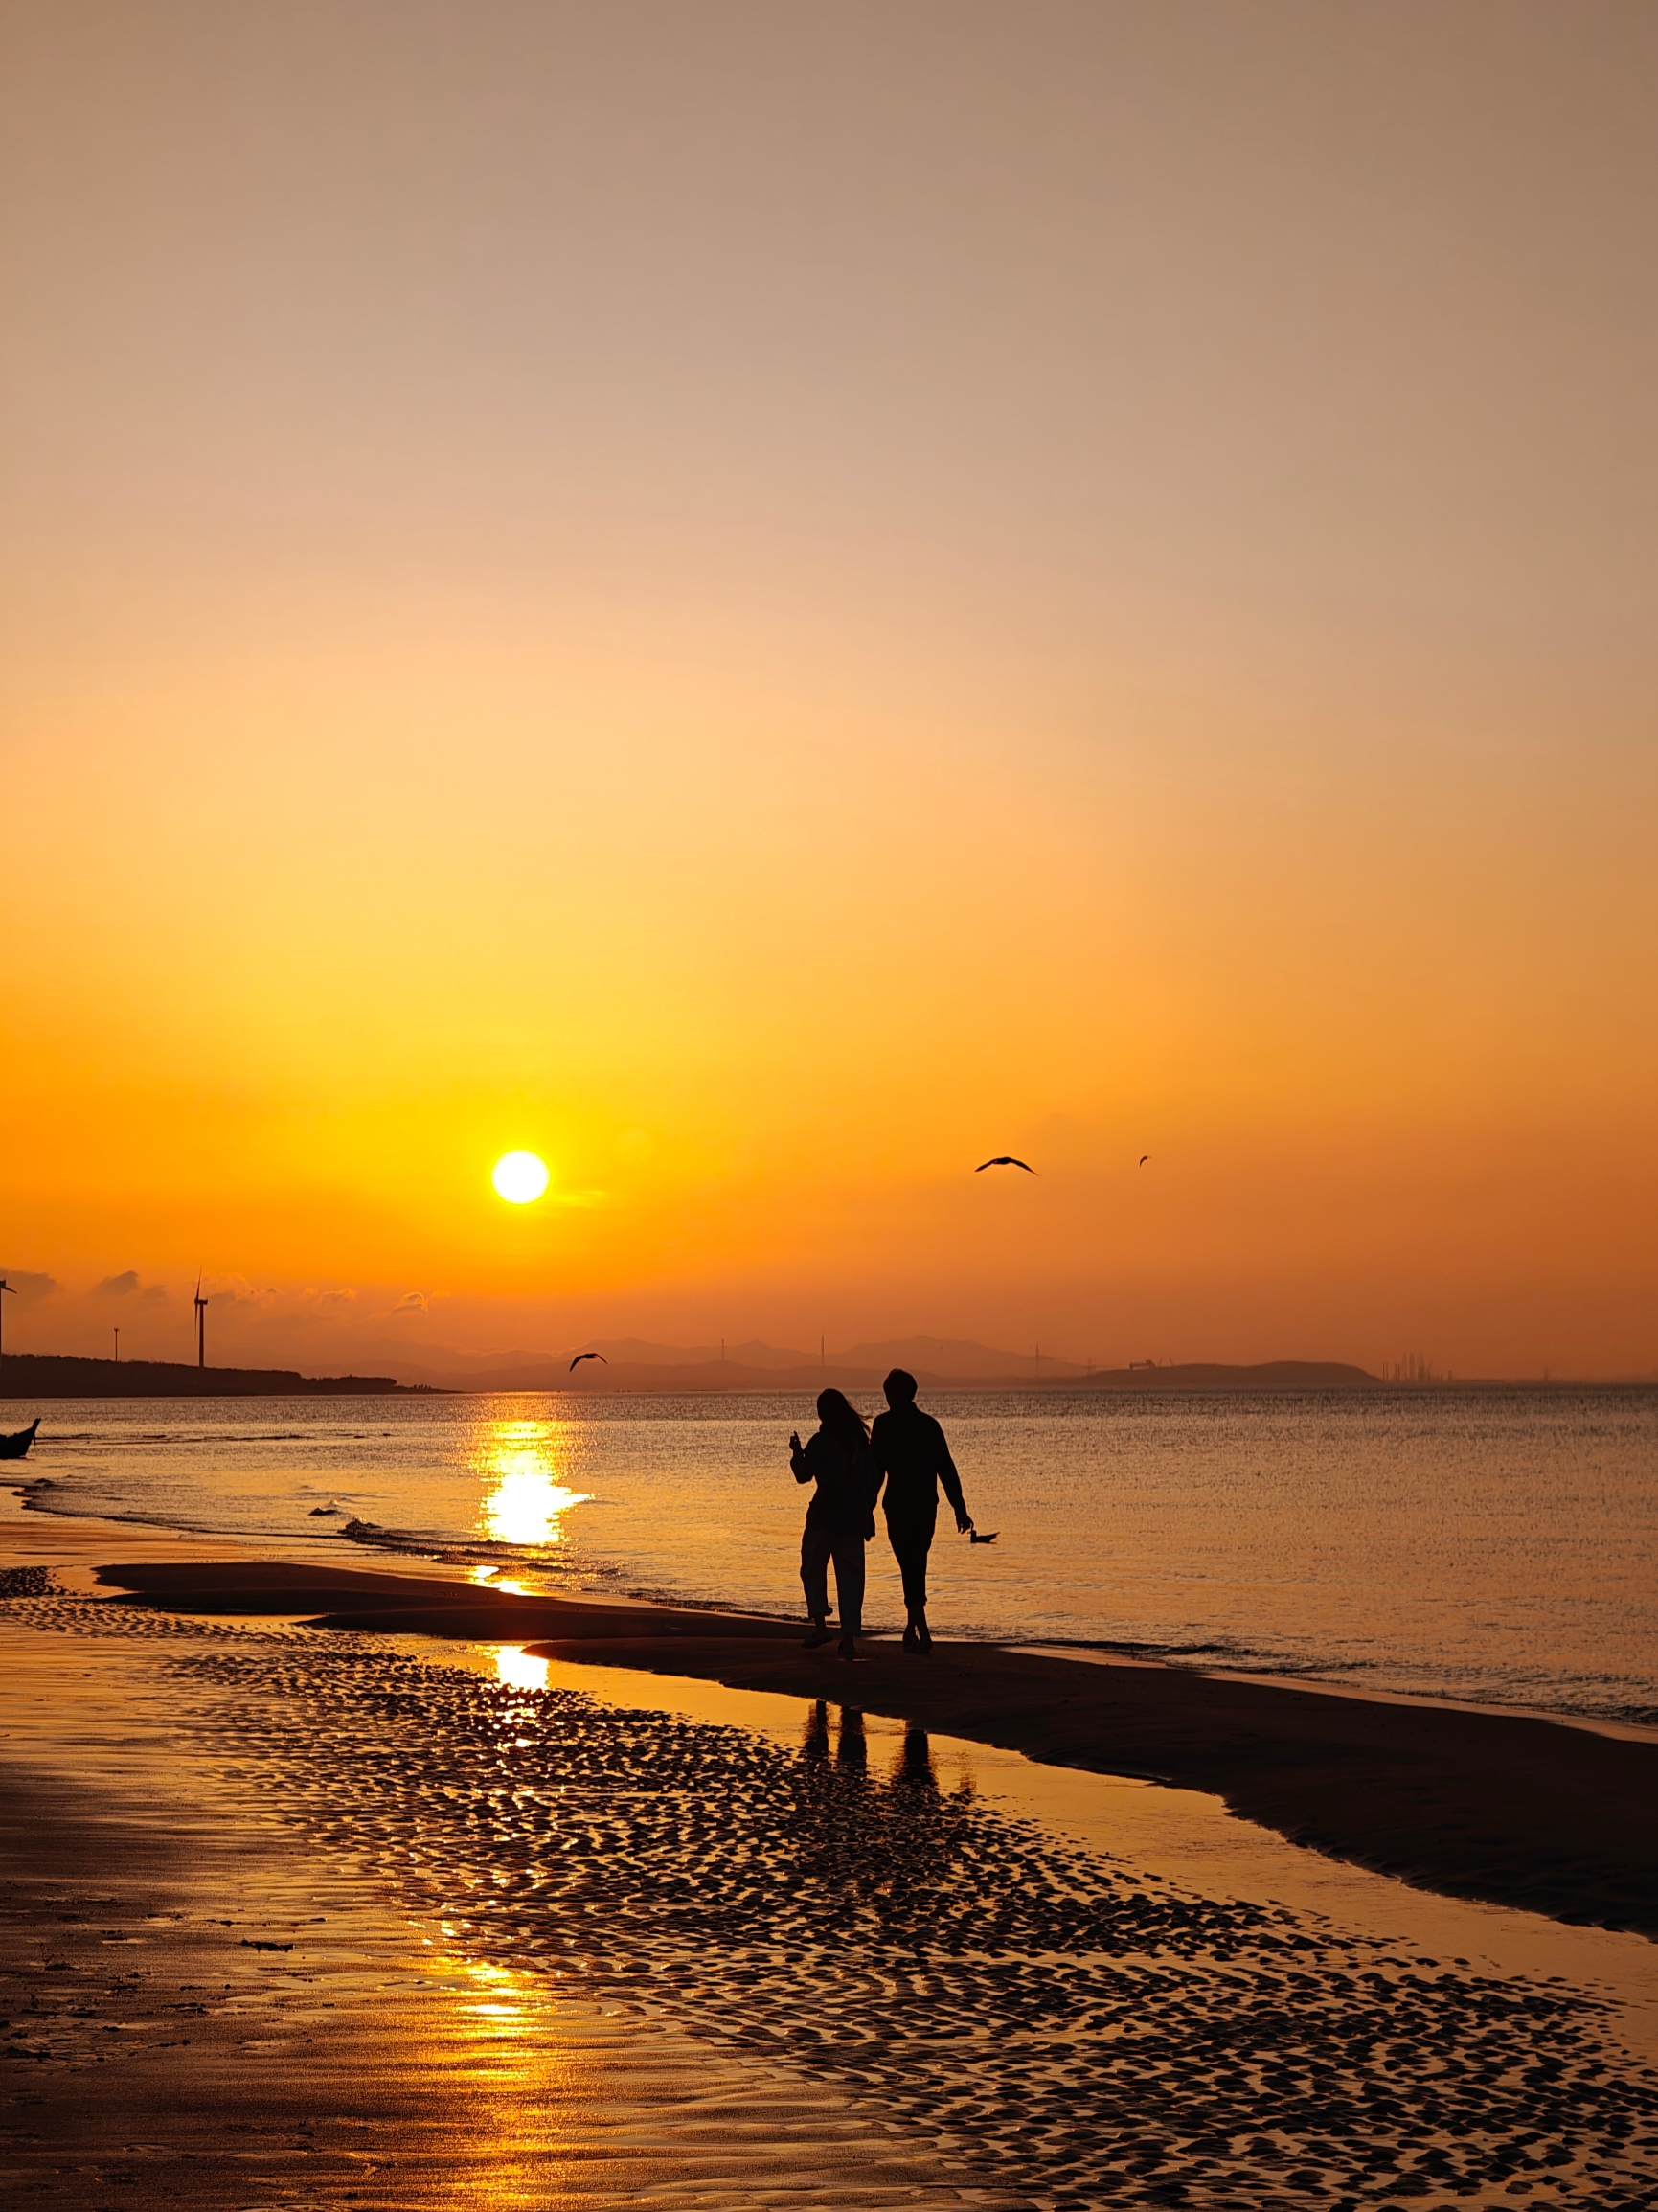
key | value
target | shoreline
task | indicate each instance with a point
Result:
(455, 1918)
(779, 1382)
(1503, 1809)
(210, 2006)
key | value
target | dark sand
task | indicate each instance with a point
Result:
(551, 1951)
(1506, 1810)
(817, 1977)
(203, 2005)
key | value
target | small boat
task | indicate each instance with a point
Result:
(16, 1447)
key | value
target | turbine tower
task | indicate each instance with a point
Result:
(200, 1324)
(9, 1294)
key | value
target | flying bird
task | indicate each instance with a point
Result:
(581, 1355)
(1002, 1160)
(1144, 1157)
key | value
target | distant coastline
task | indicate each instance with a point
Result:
(59, 1375)
(722, 1378)
(716, 1378)
(41, 1375)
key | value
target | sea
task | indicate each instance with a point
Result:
(1485, 1546)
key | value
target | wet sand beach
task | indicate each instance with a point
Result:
(1510, 1809)
(727, 1968)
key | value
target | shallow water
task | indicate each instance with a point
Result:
(1183, 1835)
(1485, 1545)
(1063, 2017)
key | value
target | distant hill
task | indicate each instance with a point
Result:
(714, 1377)
(1271, 1375)
(955, 1357)
(54, 1374)
(633, 1363)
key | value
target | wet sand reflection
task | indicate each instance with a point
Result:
(1046, 2019)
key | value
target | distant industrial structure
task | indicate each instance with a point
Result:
(1413, 1368)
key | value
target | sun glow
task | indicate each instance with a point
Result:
(525, 1501)
(517, 1670)
(519, 1177)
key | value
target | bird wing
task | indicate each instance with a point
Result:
(1144, 1157)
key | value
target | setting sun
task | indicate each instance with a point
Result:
(519, 1177)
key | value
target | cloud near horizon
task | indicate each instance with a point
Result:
(234, 1291)
(411, 1302)
(30, 1288)
(129, 1285)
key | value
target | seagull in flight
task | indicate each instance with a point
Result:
(1144, 1157)
(1002, 1160)
(581, 1355)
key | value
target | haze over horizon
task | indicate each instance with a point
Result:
(769, 605)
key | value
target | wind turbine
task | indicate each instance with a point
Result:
(200, 1323)
(10, 1293)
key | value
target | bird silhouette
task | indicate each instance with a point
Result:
(1002, 1160)
(1144, 1157)
(581, 1355)
(973, 1536)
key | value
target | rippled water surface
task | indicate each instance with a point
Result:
(1483, 1545)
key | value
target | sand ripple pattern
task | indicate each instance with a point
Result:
(1080, 2032)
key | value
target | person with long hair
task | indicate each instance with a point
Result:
(840, 1519)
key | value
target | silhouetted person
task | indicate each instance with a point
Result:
(914, 1770)
(912, 1458)
(840, 1519)
(852, 1752)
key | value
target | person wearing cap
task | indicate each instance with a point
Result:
(912, 1458)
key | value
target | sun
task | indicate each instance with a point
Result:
(519, 1177)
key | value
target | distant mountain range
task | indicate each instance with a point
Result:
(635, 1363)
(631, 1363)
(938, 1363)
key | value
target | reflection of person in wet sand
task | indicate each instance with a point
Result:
(840, 1519)
(884, 1838)
(912, 1458)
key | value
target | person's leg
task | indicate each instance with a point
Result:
(814, 1559)
(849, 1558)
(910, 1542)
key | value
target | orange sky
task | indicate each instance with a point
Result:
(769, 605)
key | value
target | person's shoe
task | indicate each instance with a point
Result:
(912, 1642)
(923, 1636)
(849, 1649)
(819, 1635)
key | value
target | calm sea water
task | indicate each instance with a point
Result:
(1483, 1545)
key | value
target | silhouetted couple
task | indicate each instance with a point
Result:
(850, 1462)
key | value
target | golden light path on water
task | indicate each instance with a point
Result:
(524, 1501)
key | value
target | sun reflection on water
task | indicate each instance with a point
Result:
(517, 1670)
(524, 1501)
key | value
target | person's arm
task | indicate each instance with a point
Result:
(797, 1458)
(945, 1471)
(879, 1468)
